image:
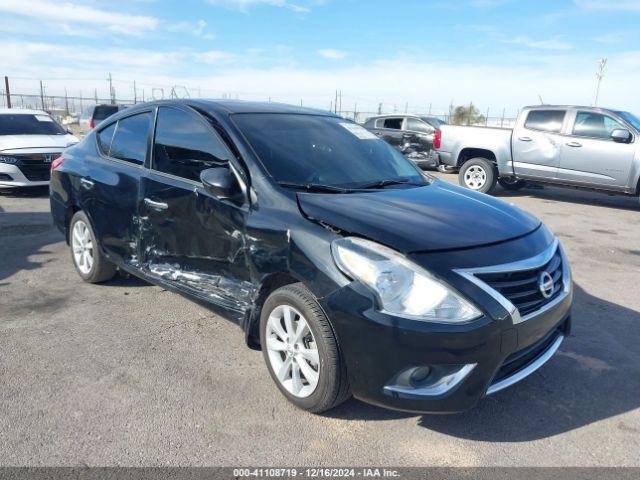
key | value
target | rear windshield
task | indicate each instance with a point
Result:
(323, 150)
(22, 124)
(103, 111)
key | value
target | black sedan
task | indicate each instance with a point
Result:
(353, 271)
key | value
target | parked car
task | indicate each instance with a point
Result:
(353, 271)
(412, 135)
(97, 114)
(573, 146)
(29, 141)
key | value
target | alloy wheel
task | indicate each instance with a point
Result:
(82, 246)
(475, 177)
(293, 351)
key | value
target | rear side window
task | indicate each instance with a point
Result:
(545, 120)
(104, 138)
(393, 123)
(184, 145)
(594, 125)
(100, 112)
(130, 139)
(416, 125)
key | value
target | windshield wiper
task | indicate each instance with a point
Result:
(315, 187)
(387, 182)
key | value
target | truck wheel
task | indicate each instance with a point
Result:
(301, 351)
(511, 183)
(478, 174)
(89, 261)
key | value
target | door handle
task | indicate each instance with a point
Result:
(156, 205)
(86, 183)
(525, 139)
(573, 144)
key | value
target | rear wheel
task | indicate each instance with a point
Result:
(301, 351)
(89, 261)
(511, 183)
(478, 174)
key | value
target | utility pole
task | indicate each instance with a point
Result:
(42, 95)
(406, 107)
(66, 101)
(81, 110)
(602, 63)
(111, 93)
(95, 95)
(6, 84)
(135, 93)
(380, 109)
(335, 104)
(429, 108)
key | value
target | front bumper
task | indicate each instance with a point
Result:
(12, 176)
(502, 347)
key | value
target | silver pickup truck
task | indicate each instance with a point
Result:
(584, 147)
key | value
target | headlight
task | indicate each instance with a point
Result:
(6, 159)
(402, 287)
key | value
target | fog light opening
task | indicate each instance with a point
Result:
(419, 376)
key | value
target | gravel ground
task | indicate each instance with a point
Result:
(126, 373)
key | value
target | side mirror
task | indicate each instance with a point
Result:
(221, 183)
(621, 135)
(69, 131)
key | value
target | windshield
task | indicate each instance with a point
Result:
(630, 118)
(22, 124)
(103, 111)
(323, 150)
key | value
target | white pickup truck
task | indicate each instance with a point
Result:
(583, 147)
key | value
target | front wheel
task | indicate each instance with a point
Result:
(301, 351)
(478, 174)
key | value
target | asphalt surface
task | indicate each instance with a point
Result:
(126, 373)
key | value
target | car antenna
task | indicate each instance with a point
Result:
(540, 98)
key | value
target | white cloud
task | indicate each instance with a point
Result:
(244, 5)
(213, 56)
(609, 5)
(555, 43)
(195, 28)
(332, 53)
(609, 38)
(70, 13)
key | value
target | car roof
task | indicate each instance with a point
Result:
(21, 111)
(574, 107)
(237, 106)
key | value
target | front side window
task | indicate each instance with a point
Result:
(595, 125)
(315, 149)
(416, 125)
(130, 139)
(27, 124)
(185, 145)
(545, 120)
(104, 138)
(393, 123)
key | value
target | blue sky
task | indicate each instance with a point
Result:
(500, 54)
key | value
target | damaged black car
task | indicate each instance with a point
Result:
(354, 272)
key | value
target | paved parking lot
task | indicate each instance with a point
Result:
(127, 373)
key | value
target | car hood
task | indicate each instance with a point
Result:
(9, 143)
(434, 217)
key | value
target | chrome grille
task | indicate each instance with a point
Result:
(36, 166)
(522, 287)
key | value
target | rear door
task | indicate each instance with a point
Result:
(591, 157)
(109, 184)
(537, 142)
(419, 135)
(188, 237)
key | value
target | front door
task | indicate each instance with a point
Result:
(189, 238)
(589, 155)
(537, 143)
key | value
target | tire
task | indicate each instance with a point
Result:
(510, 183)
(82, 239)
(326, 389)
(478, 174)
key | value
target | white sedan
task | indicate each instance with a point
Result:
(29, 141)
